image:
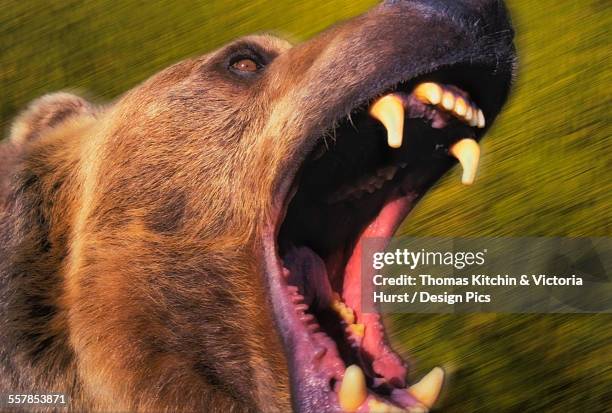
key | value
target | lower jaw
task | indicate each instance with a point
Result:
(316, 367)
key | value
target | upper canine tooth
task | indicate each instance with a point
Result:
(448, 100)
(389, 110)
(353, 391)
(467, 151)
(428, 388)
(481, 119)
(428, 93)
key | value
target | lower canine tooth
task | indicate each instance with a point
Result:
(428, 93)
(467, 151)
(353, 391)
(389, 110)
(428, 388)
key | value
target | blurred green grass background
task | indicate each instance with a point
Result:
(545, 171)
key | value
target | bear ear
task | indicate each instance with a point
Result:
(46, 113)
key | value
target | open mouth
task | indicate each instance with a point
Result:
(359, 182)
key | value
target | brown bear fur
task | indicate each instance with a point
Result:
(131, 269)
(130, 279)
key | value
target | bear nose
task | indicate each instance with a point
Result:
(487, 16)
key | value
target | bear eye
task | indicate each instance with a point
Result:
(245, 64)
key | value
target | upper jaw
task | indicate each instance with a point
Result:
(488, 87)
(487, 82)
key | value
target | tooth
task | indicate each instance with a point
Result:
(474, 120)
(469, 114)
(357, 329)
(428, 93)
(348, 316)
(389, 110)
(353, 391)
(467, 151)
(343, 311)
(448, 100)
(460, 107)
(428, 388)
(481, 119)
(377, 406)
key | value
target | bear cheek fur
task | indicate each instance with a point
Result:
(163, 250)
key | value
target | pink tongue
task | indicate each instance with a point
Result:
(308, 273)
(385, 362)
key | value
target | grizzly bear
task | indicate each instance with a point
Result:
(195, 245)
